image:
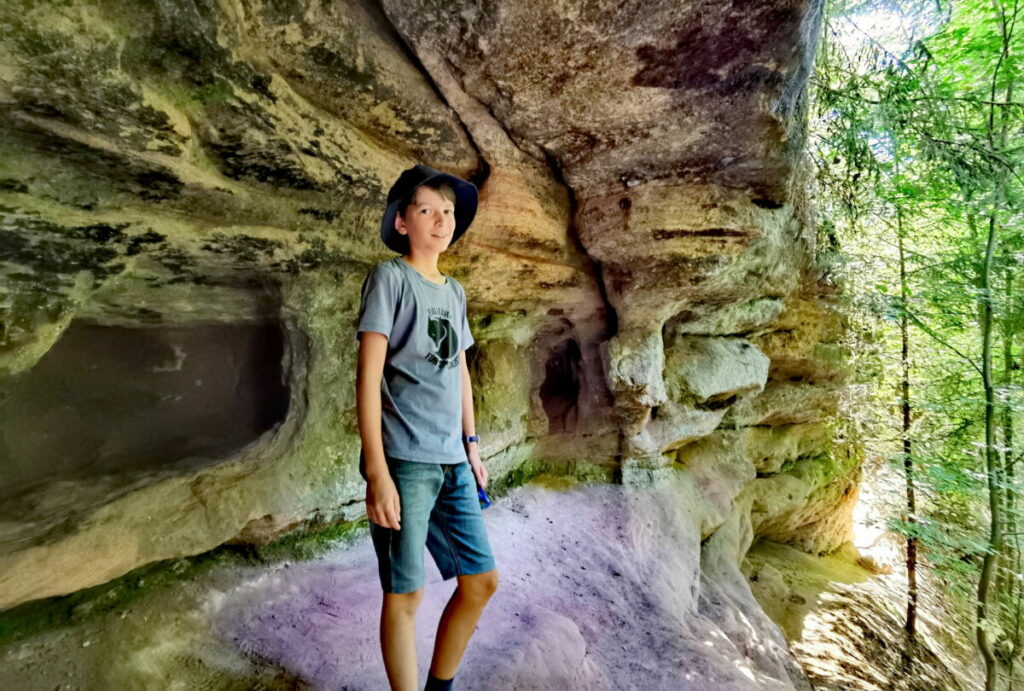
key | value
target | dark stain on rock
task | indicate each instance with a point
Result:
(558, 82)
(570, 282)
(339, 65)
(35, 43)
(12, 185)
(137, 242)
(616, 277)
(283, 11)
(724, 57)
(271, 162)
(120, 171)
(148, 316)
(156, 184)
(53, 252)
(176, 260)
(101, 233)
(325, 215)
(245, 248)
(671, 234)
(319, 255)
(312, 148)
(260, 83)
(750, 79)
(718, 404)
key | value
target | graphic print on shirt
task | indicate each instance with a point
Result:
(444, 337)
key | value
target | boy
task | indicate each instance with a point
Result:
(420, 455)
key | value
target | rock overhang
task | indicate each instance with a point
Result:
(640, 171)
(636, 92)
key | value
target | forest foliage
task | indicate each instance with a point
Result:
(917, 126)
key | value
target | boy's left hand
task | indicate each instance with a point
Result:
(479, 470)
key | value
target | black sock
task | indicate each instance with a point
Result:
(435, 684)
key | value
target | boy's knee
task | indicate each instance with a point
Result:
(479, 586)
(403, 603)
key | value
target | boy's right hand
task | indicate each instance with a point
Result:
(382, 504)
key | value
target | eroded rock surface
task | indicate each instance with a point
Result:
(641, 275)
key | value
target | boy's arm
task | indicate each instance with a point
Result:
(469, 423)
(382, 505)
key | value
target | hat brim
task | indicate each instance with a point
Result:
(466, 200)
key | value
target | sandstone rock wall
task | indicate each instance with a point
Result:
(641, 274)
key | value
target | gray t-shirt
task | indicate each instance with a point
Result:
(421, 390)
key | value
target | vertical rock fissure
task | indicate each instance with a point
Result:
(611, 320)
(572, 232)
(480, 175)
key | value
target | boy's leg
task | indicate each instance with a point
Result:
(457, 540)
(458, 621)
(400, 564)
(398, 638)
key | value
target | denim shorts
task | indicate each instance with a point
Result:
(440, 510)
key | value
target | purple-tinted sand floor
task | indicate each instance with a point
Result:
(600, 588)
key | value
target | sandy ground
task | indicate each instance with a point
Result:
(599, 590)
(602, 587)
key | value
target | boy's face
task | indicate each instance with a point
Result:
(429, 221)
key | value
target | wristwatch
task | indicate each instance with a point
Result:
(472, 437)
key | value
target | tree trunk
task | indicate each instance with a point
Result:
(988, 567)
(910, 514)
(987, 620)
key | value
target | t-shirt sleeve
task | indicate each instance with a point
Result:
(467, 336)
(377, 303)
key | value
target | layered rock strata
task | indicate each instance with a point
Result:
(641, 274)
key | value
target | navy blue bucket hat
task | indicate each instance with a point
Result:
(466, 198)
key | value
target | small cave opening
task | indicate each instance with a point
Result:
(108, 400)
(560, 391)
